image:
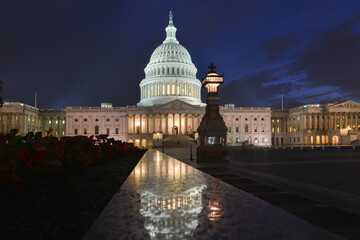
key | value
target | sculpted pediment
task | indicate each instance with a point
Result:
(177, 105)
(347, 104)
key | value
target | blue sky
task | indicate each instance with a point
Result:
(82, 53)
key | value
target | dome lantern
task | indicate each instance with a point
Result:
(171, 31)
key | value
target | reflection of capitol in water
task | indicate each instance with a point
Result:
(171, 207)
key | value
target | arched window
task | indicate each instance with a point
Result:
(96, 129)
(246, 128)
(168, 71)
(182, 71)
(178, 71)
(173, 70)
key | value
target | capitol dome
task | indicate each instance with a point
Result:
(170, 74)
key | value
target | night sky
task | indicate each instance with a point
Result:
(82, 53)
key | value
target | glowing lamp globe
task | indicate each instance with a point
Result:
(212, 80)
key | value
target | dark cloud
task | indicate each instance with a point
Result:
(275, 47)
(326, 70)
(333, 58)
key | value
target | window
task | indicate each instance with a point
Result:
(85, 119)
(96, 129)
(63, 122)
(255, 119)
(262, 119)
(108, 119)
(237, 140)
(237, 129)
(96, 120)
(116, 119)
(236, 119)
(85, 131)
(75, 132)
(76, 120)
(246, 119)
(246, 128)
(108, 131)
(116, 131)
(229, 129)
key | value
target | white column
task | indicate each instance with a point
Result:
(147, 123)
(192, 126)
(134, 124)
(167, 124)
(173, 123)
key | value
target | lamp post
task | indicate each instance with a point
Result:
(212, 129)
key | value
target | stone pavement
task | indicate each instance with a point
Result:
(317, 185)
(164, 198)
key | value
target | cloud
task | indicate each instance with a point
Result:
(326, 70)
(276, 47)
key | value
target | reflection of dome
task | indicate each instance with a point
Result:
(170, 74)
(172, 217)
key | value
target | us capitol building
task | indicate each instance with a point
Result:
(170, 104)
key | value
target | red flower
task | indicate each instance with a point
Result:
(27, 162)
(15, 179)
(22, 155)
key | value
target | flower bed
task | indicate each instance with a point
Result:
(33, 152)
(54, 194)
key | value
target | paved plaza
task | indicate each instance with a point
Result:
(320, 185)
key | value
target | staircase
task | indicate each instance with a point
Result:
(178, 141)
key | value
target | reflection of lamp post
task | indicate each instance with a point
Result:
(212, 129)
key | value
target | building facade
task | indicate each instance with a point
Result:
(170, 104)
(316, 124)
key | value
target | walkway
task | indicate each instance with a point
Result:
(164, 198)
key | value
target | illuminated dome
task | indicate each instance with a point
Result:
(170, 74)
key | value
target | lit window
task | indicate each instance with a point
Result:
(56, 123)
(49, 121)
(63, 121)
(63, 133)
(278, 120)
